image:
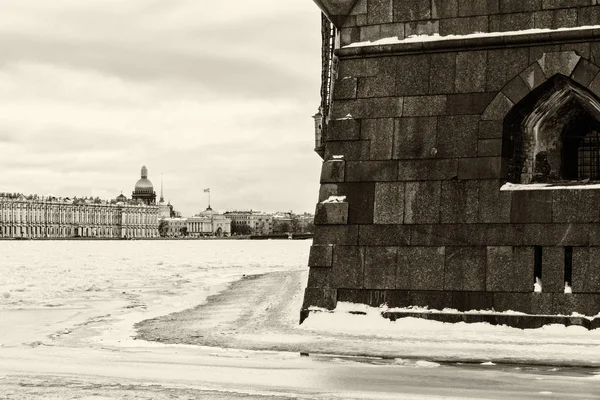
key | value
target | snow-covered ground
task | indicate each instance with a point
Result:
(68, 310)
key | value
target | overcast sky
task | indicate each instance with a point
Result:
(209, 93)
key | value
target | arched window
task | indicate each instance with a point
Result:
(553, 134)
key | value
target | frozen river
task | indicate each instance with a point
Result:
(68, 311)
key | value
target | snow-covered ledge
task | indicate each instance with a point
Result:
(548, 186)
(435, 41)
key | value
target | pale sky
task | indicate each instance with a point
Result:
(209, 93)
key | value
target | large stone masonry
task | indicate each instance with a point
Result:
(422, 138)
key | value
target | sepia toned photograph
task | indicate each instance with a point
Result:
(300, 200)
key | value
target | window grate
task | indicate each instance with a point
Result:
(588, 160)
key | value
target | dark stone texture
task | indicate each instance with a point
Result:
(494, 205)
(467, 301)
(435, 300)
(444, 8)
(575, 206)
(459, 202)
(355, 150)
(516, 89)
(389, 203)
(586, 264)
(457, 136)
(424, 106)
(340, 234)
(343, 129)
(533, 206)
(498, 108)
(585, 72)
(482, 168)
(329, 189)
(333, 171)
(555, 19)
(347, 270)
(412, 75)
(529, 303)
(471, 71)
(366, 171)
(468, 103)
(504, 65)
(361, 198)
(376, 86)
(384, 235)
(420, 268)
(377, 107)
(509, 269)
(469, 8)
(319, 297)
(397, 298)
(463, 26)
(584, 303)
(553, 269)
(412, 10)
(380, 132)
(533, 76)
(422, 202)
(318, 277)
(345, 89)
(490, 129)
(380, 267)
(415, 137)
(489, 147)
(357, 296)
(427, 170)
(465, 268)
(320, 255)
(442, 74)
(331, 213)
(380, 11)
(512, 22)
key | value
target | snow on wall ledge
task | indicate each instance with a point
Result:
(437, 37)
(548, 186)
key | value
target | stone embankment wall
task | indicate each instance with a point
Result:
(428, 139)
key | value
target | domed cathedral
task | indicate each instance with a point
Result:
(144, 190)
(461, 159)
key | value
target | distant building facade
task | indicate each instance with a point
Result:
(144, 190)
(209, 223)
(39, 217)
(176, 226)
(250, 222)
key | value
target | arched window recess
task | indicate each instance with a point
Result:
(553, 135)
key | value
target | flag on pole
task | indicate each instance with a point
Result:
(207, 190)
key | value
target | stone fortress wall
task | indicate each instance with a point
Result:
(430, 133)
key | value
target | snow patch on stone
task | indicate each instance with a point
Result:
(334, 199)
(436, 37)
(548, 186)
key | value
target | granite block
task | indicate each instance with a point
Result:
(422, 202)
(585, 72)
(494, 205)
(459, 202)
(442, 73)
(559, 63)
(434, 300)
(533, 206)
(504, 65)
(575, 206)
(361, 198)
(490, 129)
(424, 106)
(320, 256)
(415, 137)
(356, 296)
(384, 235)
(444, 9)
(326, 190)
(427, 170)
(397, 298)
(516, 89)
(339, 234)
(586, 264)
(380, 11)
(468, 103)
(318, 277)
(468, 8)
(345, 88)
(464, 26)
(389, 203)
(371, 171)
(467, 301)
(354, 150)
(319, 297)
(347, 270)
(482, 168)
(380, 267)
(412, 75)
(333, 171)
(498, 108)
(427, 27)
(343, 129)
(529, 303)
(489, 147)
(331, 213)
(380, 133)
(457, 136)
(420, 268)
(533, 76)
(471, 71)
(412, 10)
(376, 298)
(465, 268)
(512, 22)
(553, 269)
(375, 86)
(499, 268)
(581, 303)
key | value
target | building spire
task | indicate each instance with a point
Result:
(162, 198)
